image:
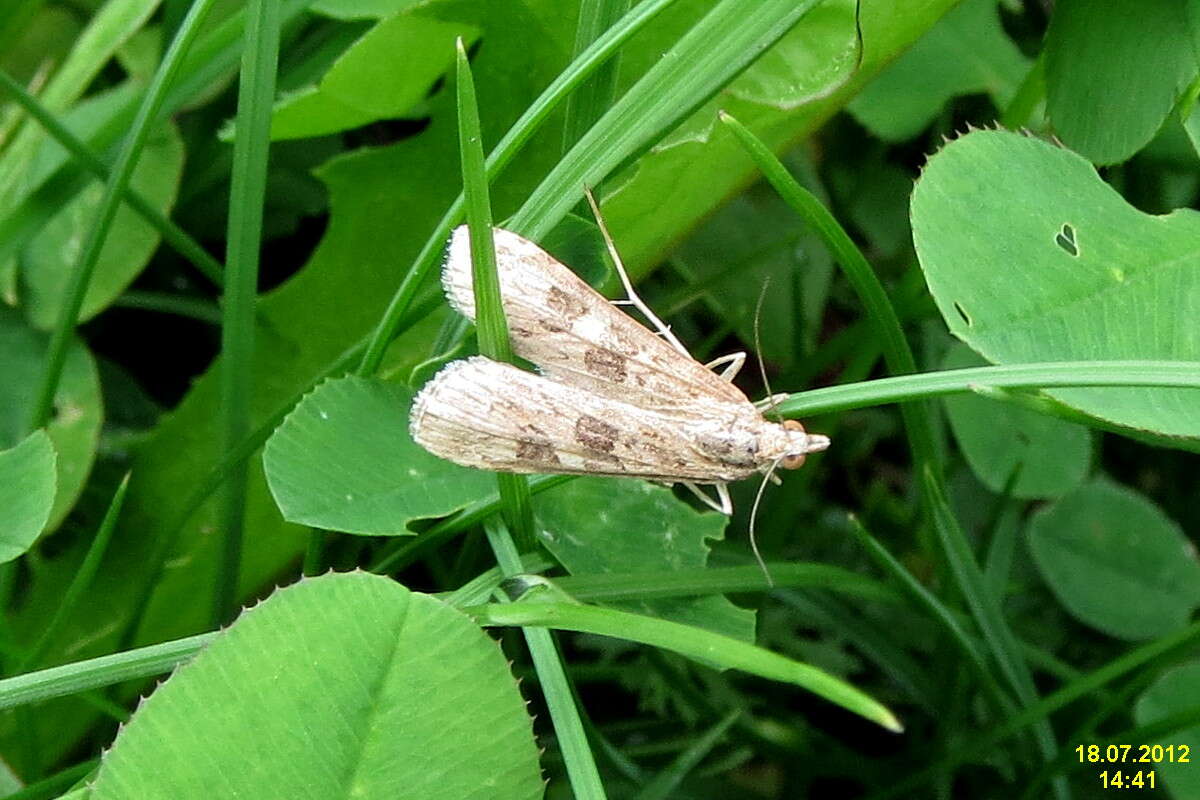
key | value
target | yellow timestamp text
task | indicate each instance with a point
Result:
(1134, 754)
(1123, 779)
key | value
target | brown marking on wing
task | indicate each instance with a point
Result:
(605, 363)
(537, 452)
(595, 434)
(569, 306)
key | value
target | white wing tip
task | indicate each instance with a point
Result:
(456, 273)
(427, 395)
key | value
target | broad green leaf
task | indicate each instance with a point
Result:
(602, 525)
(997, 438)
(51, 257)
(1116, 561)
(1031, 257)
(1175, 690)
(967, 52)
(343, 460)
(383, 75)
(345, 686)
(26, 493)
(1114, 72)
(75, 427)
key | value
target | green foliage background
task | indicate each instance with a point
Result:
(1009, 570)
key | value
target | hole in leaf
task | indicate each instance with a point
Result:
(1065, 239)
(962, 312)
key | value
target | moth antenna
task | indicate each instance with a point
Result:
(754, 521)
(762, 368)
(625, 282)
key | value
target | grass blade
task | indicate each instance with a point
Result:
(723, 43)
(905, 388)
(688, 641)
(520, 132)
(593, 97)
(114, 190)
(489, 316)
(171, 233)
(556, 688)
(82, 579)
(256, 94)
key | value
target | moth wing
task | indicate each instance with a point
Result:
(576, 336)
(485, 414)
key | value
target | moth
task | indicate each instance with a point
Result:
(612, 397)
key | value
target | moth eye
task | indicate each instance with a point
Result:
(792, 462)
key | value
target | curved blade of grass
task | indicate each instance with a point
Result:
(593, 97)
(925, 599)
(111, 25)
(251, 143)
(576, 72)
(82, 579)
(171, 233)
(904, 388)
(667, 781)
(880, 313)
(490, 323)
(55, 785)
(723, 43)
(552, 678)
(114, 190)
(918, 423)
(33, 687)
(214, 55)
(192, 307)
(692, 642)
(618, 586)
(1159, 650)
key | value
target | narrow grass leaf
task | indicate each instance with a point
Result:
(552, 678)
(905, 388)
(667, 782)
(692, 642)
(114, 190)
(82, 580)
(594, 96)
(490, 322)
(247, 191)
(723, 43)
(84, 156)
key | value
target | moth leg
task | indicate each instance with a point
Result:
(735, 362)
(723, 505)
(634, 300)
(774, 399)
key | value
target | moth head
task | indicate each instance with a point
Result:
(801, 443)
